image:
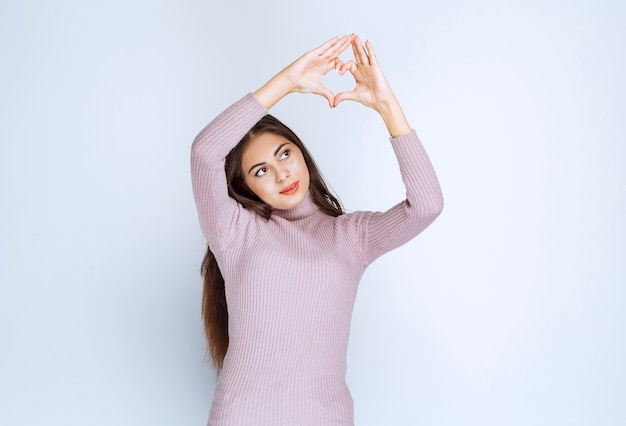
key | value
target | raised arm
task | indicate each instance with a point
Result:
(217, 212)
(384, 231)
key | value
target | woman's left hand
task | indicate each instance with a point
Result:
(372, 88)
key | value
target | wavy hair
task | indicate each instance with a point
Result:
(214, 305)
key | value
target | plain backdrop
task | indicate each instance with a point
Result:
(508, 310)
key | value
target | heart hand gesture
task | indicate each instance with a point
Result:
(306, 74)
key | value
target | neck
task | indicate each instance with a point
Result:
(305, 208)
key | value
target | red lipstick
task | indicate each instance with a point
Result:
(290, 189)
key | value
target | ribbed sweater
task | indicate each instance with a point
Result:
(291, 282)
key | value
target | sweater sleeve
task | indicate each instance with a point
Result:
(384, 231)
(218, 212)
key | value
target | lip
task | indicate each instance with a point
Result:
(291, 189)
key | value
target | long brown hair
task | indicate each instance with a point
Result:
(214, 306)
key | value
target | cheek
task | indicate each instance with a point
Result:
(305, 172)
(301, 164)
(260, 187)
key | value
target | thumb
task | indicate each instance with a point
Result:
(330, 96)
(344, 96)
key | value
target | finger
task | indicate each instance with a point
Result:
(350, 66)
(330, 96)
(372, 54)
(335, 50)
(324, 47)
(359, 52)
(355, 52)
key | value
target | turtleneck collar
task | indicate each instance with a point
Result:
(306, 208)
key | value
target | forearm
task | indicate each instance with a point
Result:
(423, 191)
(226, 130)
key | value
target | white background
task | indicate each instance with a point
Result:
(508, 310)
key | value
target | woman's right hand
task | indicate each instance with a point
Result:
(308, 71)
(305, 74)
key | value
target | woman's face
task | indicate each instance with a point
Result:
(275, 170)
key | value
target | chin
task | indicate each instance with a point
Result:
(291, 202)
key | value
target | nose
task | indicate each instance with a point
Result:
(282, 174)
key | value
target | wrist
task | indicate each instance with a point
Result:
(394, 118)
(274, 90)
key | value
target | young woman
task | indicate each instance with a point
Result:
(283, 260)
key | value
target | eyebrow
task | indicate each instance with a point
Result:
(275, 154)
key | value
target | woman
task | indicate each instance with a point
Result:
(291, 260)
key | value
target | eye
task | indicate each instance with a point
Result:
(286, 153)
(261, 172)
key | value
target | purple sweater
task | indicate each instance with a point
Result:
(291, 282)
